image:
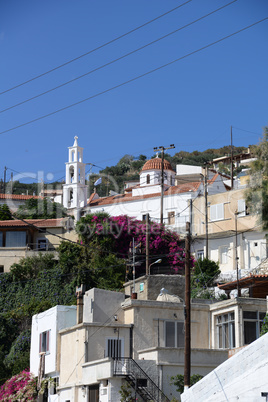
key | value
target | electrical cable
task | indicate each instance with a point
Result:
(134, 78)
(97, 48)
(115, 60)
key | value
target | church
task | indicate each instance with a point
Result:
(180, 189)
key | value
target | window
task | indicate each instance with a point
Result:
(252, 325)
(242, 209)
(44, 340)
(42, 244)
(225, 331)
(171, 218)
(148, 179)
(200, 254)
(217, 212)
(15, 239)
(114, 348)
(1, 269)
(224, 254)
(174, 334)
(1, 239)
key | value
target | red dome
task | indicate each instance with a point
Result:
(156, 164)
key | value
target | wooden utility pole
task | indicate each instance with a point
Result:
(147, 244)
(162, 150)
(236, 259)
(206, 205)
(187, 343)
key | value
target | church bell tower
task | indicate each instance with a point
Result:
(75, 189)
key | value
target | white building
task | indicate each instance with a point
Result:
(145, 197)
(44, 342)
(75, 189)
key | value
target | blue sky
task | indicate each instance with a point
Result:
(190, 103)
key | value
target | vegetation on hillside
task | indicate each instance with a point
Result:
(128, 168)
(37, 208)
(257, 193)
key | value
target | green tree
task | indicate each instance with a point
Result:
(204, 273)
(178, 381)
(41, 208)
(5, 213)
(264, 328)
(257, 193)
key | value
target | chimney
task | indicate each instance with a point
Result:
(80, 291)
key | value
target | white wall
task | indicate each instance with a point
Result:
(54, 319)
(242, 377)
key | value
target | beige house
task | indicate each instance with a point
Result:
(25, 238)
(141, 341)
(234, 236)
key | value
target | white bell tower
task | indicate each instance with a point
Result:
(75, 189)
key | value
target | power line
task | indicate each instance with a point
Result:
(135, 78)
(97, 48)
(115, 60)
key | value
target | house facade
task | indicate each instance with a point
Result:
(25, 238)
(235, 238)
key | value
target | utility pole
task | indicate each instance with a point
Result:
(5, 174)
(206, 205)
(162, 150)
(236, 258)
(147, 244)
(11, 183)
(187, 343)
(232, 157)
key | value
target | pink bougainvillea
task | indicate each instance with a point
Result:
(122, 229)
(21, 387)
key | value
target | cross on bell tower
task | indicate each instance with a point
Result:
(75, 189)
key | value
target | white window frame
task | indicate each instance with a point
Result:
(200, 254)
(217, 212)
(225, 327)
(44, 341)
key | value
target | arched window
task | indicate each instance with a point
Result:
(148, 179)
(71, 172)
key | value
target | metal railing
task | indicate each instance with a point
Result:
(143, 385)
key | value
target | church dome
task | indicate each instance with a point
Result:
(156, 164)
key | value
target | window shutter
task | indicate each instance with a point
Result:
(220, 211)
(241, 207)
(213, 212)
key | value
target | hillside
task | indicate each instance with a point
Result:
(128, 168)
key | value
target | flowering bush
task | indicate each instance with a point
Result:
(21, 387)
(116, 234)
